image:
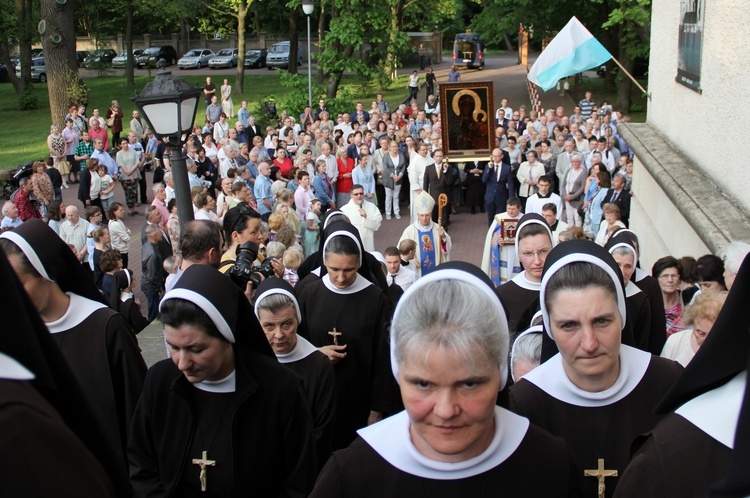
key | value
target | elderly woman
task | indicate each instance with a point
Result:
(96, 342)
(526, 353)
(280, 318)
(596, 393)
(221, 415)
(206, 206)
(667, 271)
(733, 256)
(610, 223)
(528, 174)
(451, 441)
(699, 318)
(42, 186)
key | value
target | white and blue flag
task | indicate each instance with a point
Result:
(572, 51)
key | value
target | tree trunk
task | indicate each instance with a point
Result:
(24, 26)
(239, 79)
(334, 79)
(130, 63)
(508, 44)
(59, 43)
(293, 39)
(624, 84)
(391, 61)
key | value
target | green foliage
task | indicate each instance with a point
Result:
(295, 102)
(78, 93)
(29, 100)
(631, 19)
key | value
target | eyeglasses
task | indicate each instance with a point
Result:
(530, 254)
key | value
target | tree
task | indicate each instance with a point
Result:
(631, 20)
(59, 43)
(237, 9)
(17, 22)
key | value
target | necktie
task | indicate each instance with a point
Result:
(614, 197)
(499, 169)
(393, 279)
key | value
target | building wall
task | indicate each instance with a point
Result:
(692, 121)
(662, 229)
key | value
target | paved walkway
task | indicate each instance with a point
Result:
(467, 231)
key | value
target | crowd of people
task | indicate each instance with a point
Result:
(303, 362)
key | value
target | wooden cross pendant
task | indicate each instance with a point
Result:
(600, 473)
(335, 336)
(204, 462)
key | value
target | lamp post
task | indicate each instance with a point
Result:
(169, 105)
(308, 7)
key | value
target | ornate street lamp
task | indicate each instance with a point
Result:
(308, 7)
(169, 105)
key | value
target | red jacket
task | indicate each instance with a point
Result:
(26, 209)
(344, 185)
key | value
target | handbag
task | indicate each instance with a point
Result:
(111, 120)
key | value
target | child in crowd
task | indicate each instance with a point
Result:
(312, 220)
(171, 265)
(292, 260)
(107, 193)
(122, 300)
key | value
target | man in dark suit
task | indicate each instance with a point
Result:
(438, 178)
(251, 131)
(620, 197)
(352, 151)
(360, 112)
(499, 180)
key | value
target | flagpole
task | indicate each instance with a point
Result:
(632, 78)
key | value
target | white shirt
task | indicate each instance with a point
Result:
(404, 278)
(366, 226)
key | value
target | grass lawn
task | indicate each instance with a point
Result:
(24, 134)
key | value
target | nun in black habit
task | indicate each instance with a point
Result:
(220, 417)
(694, 445)
(452, 441)
(313, 264)
(97, 342)
(281, 320)
(122, 300)
(596, 393)
(51, 443)
(346, 317)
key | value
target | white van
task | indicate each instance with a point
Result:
(278, 55)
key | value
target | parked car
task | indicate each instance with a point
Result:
(256, 58)
(122, 58)
(226, 57)
(81, 55)
(38, 70)
(99, 57)
(152, 55)
(468, 51)
(278, 55)
(196, 58)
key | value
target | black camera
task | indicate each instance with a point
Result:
(243, 270)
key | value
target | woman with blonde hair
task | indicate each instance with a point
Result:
(699, 318)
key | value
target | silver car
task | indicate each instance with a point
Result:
(226, 57)
(196, 58)
(38, 70)
(122, 58)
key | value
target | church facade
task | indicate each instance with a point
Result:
(690, 179)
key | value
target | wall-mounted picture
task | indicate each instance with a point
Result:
(466, 115)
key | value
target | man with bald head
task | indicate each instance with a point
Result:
(499, 180)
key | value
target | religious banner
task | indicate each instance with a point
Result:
(466, 109)
(690, 41)
(508, 232)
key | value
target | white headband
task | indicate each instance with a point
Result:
(346, 233)
(204, 304)
(28, 251)
(277, 290)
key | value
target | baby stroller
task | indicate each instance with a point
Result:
(14, 179)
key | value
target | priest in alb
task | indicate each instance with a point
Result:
(500, 261)
(433, 242)
(596, 393)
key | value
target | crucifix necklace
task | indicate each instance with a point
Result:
(333, 333)
(600, 473)
(204, 462)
